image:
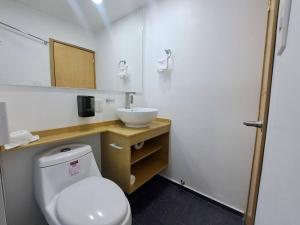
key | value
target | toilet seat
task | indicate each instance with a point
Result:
(92, 201)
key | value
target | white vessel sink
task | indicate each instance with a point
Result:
(137, 117)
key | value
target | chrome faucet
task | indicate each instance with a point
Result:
(128, 99)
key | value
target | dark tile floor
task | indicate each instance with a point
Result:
(160, 202)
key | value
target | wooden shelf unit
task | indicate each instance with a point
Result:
(147, 150)
(119, 164)
(145, 170)
(58, 135)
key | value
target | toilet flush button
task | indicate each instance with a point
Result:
(65, 150)
(74, 168)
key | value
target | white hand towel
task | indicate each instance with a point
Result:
(21, 137)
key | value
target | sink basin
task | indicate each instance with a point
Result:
(137, 117)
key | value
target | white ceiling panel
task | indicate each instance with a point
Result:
(84, 12)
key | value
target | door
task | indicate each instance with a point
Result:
(261, 124)
(72, 66)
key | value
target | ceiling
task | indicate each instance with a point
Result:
(85, 13)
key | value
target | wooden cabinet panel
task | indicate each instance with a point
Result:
(115, 163)
(118, 163)
(72, 66)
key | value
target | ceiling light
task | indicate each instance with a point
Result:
(97, 1)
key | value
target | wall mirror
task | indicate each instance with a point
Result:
(91, 44)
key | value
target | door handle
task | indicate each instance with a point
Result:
(257, 124)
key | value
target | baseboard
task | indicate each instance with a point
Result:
(206, 197)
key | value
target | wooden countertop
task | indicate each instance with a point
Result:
(114, 126)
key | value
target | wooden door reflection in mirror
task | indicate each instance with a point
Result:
(71, 66)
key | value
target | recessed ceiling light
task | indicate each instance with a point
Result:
(97, 1)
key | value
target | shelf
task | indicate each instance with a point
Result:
(147, 150)
(114, 126)
(145, 170)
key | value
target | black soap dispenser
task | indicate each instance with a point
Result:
(86, 106)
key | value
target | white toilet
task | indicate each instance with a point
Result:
(70, 190)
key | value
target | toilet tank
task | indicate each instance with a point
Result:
(61, 167)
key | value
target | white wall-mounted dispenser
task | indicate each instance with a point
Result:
(283, 24)
(164, 64)
(4, 132)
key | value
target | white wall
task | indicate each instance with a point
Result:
(25, 61)
(122, 40)
(279, 194)
(35, 108)
(214, 87)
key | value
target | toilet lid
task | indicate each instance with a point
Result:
(92, 201)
